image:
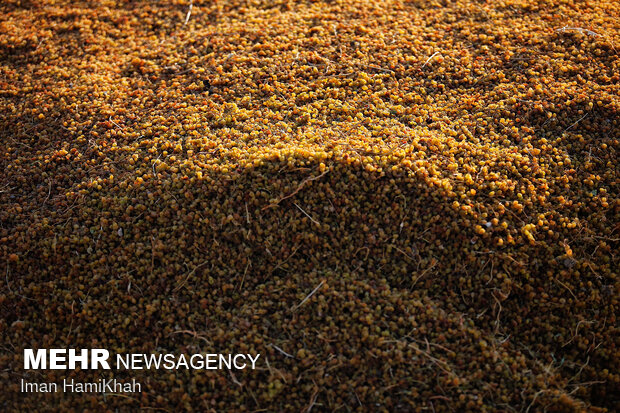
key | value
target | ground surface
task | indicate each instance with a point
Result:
(401, 205)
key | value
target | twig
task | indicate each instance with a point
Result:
(379, 68)
(578, 120)
(362, 261)
(152, 255)
(7, 278)
(312, 399)
(439, 363)
(192, 333)
(433, 263)
(49, 192)
(122, 395)
(534, 400)
(403, 252)
(114, 123)
(565, 286)
(189, 12)
(234, 379)
(577, 331)
(287, 258)
(189, 275)
(271, 370)
(309, 295)
(70, 325)
(429, 59)
(301, 185)
(282, 351)
(498, 312)
(580, 370)
(577, 29)
(244, 273)
(306, 214)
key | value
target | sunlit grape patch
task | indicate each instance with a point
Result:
(400, 205)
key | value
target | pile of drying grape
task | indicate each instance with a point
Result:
(401, 205)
